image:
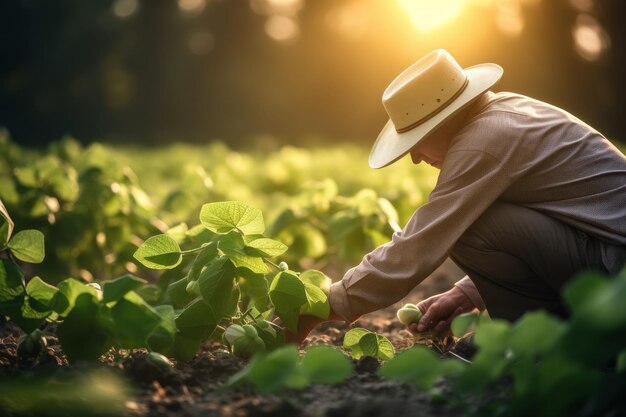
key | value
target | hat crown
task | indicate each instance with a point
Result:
(423, 89)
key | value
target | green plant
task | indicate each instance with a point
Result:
(228, 282)
(555, 366)
(90, 319)
(283, 368)
(363, 342)
(31, 345)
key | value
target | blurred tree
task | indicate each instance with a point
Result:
(195, 70)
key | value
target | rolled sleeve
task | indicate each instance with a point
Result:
(469, 289)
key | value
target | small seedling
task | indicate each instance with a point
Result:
(31, 345)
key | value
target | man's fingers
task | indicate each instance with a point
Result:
(444, 325)
(428, 319)
(458, 311)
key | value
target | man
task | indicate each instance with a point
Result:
(528, 195)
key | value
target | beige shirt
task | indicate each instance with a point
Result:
(511, 148)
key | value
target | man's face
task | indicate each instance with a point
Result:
(432, 150)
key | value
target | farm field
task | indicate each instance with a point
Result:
(143, 281)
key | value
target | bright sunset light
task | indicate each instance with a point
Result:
(427, 14)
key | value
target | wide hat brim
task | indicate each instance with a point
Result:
(391, 145)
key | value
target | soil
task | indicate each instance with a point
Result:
(197, 388)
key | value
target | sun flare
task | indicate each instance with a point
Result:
(429, 14)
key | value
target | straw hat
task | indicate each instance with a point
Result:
(423, 97)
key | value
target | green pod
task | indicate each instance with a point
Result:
(408, 314)
(233, 333)
(245, 347)
(159, 360)
(250, 331)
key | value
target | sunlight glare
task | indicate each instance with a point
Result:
(125, 8)
(191, 8)
(281, 7)
(282, 28)
(509, 19)
(429, 14)
(582, 5)
(590, 38)
(351, 20)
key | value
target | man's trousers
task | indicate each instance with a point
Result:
(519, 259)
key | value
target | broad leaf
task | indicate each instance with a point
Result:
(352, 336)
(11, 281)
(317, 288)
(150, 293)
(535, 333)
(27, 318)
(317, 302)
(386, 351)
(84, 334)
(264, 247)
(197, 321)
(206, 255)
(40, 295)
(162, 338)
(28, 246)
(579, 291)
(13, 306)
(134, 321)
(493, 334)
(233, 246)
(326, 365)
(159, 252)
(224, 217)
(368, 345)
(115, 289)
(200, 234)
(185, 348)
(176, 293)
(419, 366)
(461, 323)
(69, 290)
(287, 293)
(364, 342)
(271, 372)
(256, 287)
(216, 285)
(316, 278)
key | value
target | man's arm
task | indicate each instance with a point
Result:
(470, 181)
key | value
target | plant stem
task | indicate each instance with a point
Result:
(272, 263)
(191, 251)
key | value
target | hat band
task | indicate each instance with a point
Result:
(432, 113)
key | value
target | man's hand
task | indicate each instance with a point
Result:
(307, 323)
(439, 311)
